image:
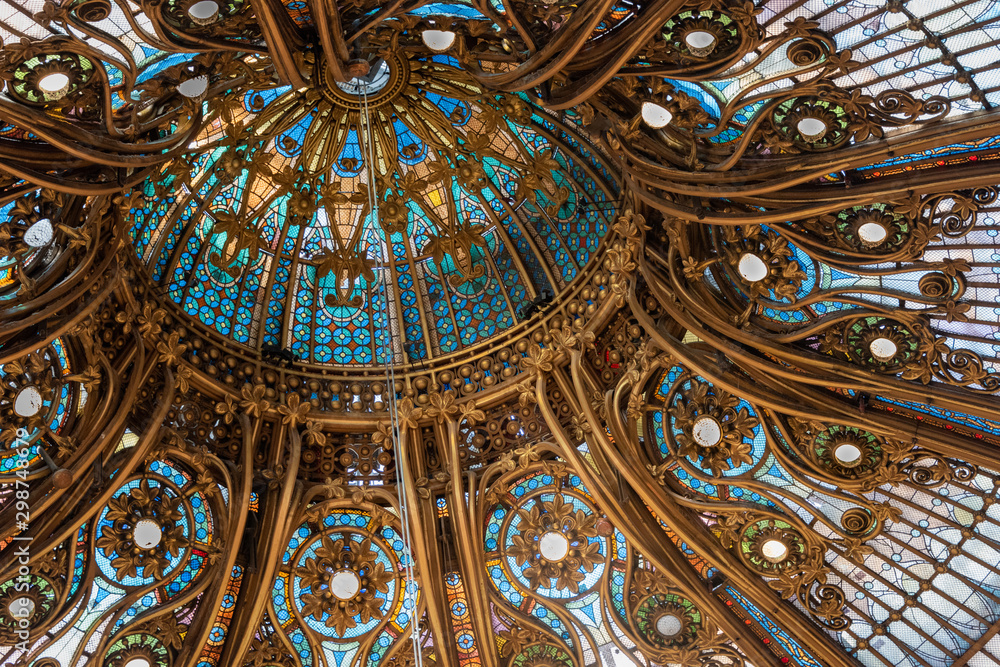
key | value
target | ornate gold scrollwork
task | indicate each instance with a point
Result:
(791, 558)
(50, 73)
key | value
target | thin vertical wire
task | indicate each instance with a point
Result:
(409, 592)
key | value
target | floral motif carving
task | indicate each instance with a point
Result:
(353, 559)
(703, 406)
(782, 274)
(792, 560)
(911, 350)
(574, 526)
(458, 246)
(25, 603)
(149, 505)
(145, 645)
(842, 116)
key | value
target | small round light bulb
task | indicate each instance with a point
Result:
(655, 116)
(438, 40)
(812, 129)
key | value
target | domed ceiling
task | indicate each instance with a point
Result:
(268, 230)
(630, 335)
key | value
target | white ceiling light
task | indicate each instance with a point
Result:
(438, 40)
(345, 584)
(811, 129)
(655, 115)
(872, 233)
(883, 349)
(204, 11)
(553, 546)
(147, 533)
(39, 234)
(193, 88)
(706, 431)
(752, 267)
(28, 402)
(138, 661)
(700, 43)
(668, 625)
(22, 607)
(54, 86)
(847, 454)
(774, 550)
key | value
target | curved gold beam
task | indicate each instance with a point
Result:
(641, 529)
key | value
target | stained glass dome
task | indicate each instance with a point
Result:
(269, 231)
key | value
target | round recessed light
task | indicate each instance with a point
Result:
(872, 233)
(138, 661)
(668, 625)
(706, 431)
(847, 454)
(204, 11)
(811, 129)
(345, 584)
(655, 116)
(774, 550)
(752, 267)
(194, 87)
(54, 85)
(147, 533)
(883, 349)
(28, 402)
(700, 43)
(438, 40)
(39, 234)
(22, 607)
(553, 546)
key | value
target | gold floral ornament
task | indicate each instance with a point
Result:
(239, 237)
(911, 349)
(762, 262)
(27, 390)
(834, 116)
(709, 36)
(269, 651)
(672, 630)
(232, 18)
(668, 621)
(405, 658)
(393, 213)
(554, 544)
(149, 645)
(347, 267)
(538, 179)
(711, 428)
(544, 653)
(146, 531)
(792, 560)
(457, 244)
(849, 451)
(31, 224)
(23, 601)
(876, 228)
(771, 546)
(49, 73)
(344, 578)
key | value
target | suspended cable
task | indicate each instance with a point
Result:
(382, 266)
